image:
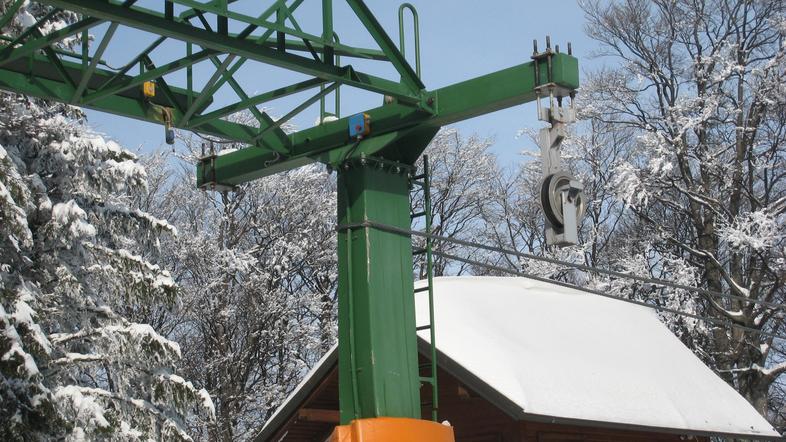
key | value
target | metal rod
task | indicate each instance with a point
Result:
(416, 24)
(202, 97)
(85, 48)
(153, 74)
(430, 277)
(254, 101)
(327, 30)
(297, 110)
(88, 73)
(189, 76)
(337, 95)
(133, 62)
(408, 76)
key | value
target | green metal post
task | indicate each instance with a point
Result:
(378, 366)
(327, 30)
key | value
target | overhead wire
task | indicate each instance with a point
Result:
(606, 295)
(410, 232)
(599, 270)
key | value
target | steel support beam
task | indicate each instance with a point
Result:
(482, 95)
(44, 82)
(11, 53)
(408, 75)
(129, 82)
(255, 101)
(378, 366)
(156, 23)
(87, 73)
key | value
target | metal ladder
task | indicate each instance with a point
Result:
(423, 181)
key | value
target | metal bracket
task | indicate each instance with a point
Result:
(561, 195)
(207, 167)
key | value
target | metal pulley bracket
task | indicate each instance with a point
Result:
(561, 195)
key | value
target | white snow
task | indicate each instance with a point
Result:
(25, 19)
(207, 403)
(128, 432)
(142, 331)
(84, 404)
(757, 230)
(16, 349)
(69, 213)
(326, 119)
(564, 353)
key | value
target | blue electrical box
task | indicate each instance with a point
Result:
(359, 125)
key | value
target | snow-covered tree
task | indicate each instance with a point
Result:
(699, 88)
(462, 170)
(257, 272)
(74, 249)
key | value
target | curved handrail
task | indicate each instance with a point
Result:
(416, 24)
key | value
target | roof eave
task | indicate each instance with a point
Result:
(496, 398)
(516, 412)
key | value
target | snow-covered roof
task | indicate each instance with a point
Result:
(563, 354)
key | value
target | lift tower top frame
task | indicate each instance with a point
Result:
(372, 151)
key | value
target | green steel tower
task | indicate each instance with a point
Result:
(373, 151)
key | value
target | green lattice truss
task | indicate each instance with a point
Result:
(40, 65)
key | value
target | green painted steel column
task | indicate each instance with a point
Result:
(378, 371)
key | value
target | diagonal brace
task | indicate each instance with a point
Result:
(408, 76)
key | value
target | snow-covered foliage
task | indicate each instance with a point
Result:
(257, 272)
(697, 88)
(75, 250)
(462, 172)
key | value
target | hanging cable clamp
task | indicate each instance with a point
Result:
(169, 131)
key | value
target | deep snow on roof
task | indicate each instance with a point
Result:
(555, 352)
(565, 353)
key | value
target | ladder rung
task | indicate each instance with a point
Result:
(423, 327)
(417, 215)
(422, 289)
(419, 177)
(427, 379)
(418, 251)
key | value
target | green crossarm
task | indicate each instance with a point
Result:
(482, 95)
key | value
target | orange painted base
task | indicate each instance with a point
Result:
(392, 429)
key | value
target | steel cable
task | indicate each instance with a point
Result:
(728, 323)
(644, 279)
(606, 295)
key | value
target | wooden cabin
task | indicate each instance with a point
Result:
(521, 360)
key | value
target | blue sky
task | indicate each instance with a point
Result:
(459, 40)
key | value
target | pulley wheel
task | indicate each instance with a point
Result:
(551, 198)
